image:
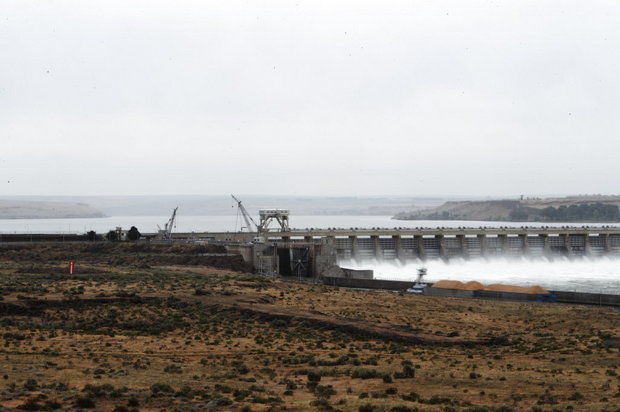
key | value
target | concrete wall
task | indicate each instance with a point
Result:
(367, 283)
(524, 297)
(452, 293)
(357, 274)
(587, 298)
(246, 252)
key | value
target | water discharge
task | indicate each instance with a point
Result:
(585, 274)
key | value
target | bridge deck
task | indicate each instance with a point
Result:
(385, 232)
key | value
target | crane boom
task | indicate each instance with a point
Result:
(170, 224)
(246, 216)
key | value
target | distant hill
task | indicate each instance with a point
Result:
(22, 209)
(565, 209)
(213, 205)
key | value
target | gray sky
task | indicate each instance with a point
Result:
(337, 98)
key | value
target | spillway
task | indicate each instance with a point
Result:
(600, 274)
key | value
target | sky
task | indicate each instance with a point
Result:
(480, 98)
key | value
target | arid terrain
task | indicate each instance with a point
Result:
(184, 328)
(522, 210)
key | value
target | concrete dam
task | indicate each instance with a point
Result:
(315, 249)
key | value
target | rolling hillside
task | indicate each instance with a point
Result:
(573, 209)
(21, 209)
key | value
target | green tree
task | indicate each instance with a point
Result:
(133, 234)
(518, 215)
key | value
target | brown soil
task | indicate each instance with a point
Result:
(118, 254)
(200, 338)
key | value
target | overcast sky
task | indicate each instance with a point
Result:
(336, 98)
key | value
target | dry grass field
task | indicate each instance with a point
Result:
(155, 329)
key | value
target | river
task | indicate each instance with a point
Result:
(223, 223)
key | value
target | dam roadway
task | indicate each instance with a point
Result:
(405, 243)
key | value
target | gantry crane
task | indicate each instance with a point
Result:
(267, 216)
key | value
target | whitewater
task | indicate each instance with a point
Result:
(586, 274)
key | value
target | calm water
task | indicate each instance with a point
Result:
(148, 224)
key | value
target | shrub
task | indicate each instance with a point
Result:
(221, 401)
(412, 397)
(364, 373)
(402, 408)
(314, 377)
(240, 367)
(576, 396)
(408, 372)
(52, 405)
(31, 404)
(322, 391)
(85, 402)
(438, 400)
(95, 391)
(173, 369)
(311, 385)
(31, 385)
(367, 408)
(158, 388)
(321, 404)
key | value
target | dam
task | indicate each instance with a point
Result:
(310, 252)
(313, 249)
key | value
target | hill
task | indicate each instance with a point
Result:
(218, 205)
(566, 209)
(22, 209)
